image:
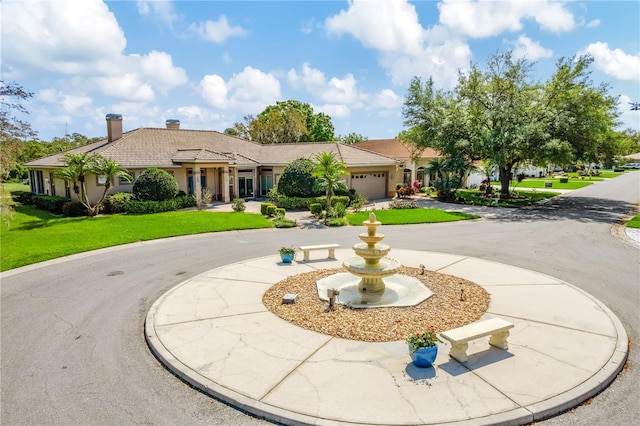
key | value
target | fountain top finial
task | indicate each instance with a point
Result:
(372, 217)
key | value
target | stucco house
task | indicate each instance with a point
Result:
(224, 165)
(412, 164)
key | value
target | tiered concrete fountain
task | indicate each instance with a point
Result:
(372, 280)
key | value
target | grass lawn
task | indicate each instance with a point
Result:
(539, 183)
(525, 198)
(35, 235)
(634, 222)
(408, 216)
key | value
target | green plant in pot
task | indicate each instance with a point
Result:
(287, 254)
(423, 347)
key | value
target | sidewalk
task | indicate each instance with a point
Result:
(214, 333)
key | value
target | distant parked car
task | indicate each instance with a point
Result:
(632, 166)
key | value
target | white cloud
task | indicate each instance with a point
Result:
(614, 62)
(250, 91)
(593, 24)
(404, 46)
(386, 99)
(83, 40)
(336, 90)
(128, 87)
(478, 19)
(524, 47)
(630, 119)
(67, 37)
(386, 26)
(217, 31)
(334, 110)
(213, 90)
(306, 27)
(162, 11)
(158, 67)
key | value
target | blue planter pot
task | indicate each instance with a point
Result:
(424, 357)
(287, 257)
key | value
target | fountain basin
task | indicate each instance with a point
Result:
(381, 268)
(399, 290)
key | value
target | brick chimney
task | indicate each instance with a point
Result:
(114, 127)
(173, 124)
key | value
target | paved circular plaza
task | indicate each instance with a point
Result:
(214, 332)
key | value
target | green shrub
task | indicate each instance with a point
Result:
(280, 212)
(264, 207)
(564, 180)
(339, 210)
(337, 221)
(186, 201)
(155, 185)
(271, 210)
(22, 197)
(74, 209)
(116, 203)
(293, 203)
(358, 202)
(148, 207)
(335, 199)
(238, 205)
(315, 209)
(52, 203)
(296, 179)
(284, 223)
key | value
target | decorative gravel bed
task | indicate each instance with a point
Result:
(445, 310)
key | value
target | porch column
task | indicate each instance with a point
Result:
(197, 188)
(225, 184)
(256, 183)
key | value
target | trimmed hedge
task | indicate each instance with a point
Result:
(271, 210)
(52, 203)
(293, 203)
(263, 208)
(315, 208)
(148, 207)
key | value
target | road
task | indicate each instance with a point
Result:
(73, 350)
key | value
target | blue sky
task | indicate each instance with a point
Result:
(210, 63)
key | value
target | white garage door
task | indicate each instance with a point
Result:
(371, 185)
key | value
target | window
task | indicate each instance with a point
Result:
(123, 181)
(102, 179)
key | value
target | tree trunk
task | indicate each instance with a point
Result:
(505, 180)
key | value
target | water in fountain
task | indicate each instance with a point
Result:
(372, 280)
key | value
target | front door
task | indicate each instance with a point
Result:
(245, 187)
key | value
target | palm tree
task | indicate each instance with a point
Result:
(111, 171)
(77, 167)
(328, 171)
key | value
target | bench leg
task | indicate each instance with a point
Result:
(499, 340)
(332, 253)
(306, 255)
(459, 351)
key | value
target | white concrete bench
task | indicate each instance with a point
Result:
(331, 247)
(461, 336)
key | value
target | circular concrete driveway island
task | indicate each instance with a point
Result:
(214, 332)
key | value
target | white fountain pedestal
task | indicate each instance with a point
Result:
(399, 290)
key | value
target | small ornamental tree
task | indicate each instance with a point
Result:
(155, 185)
(296, 179)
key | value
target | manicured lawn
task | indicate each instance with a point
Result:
(634, 222)
(408, 216)
(525, 198)
(539, 183)
(35, 235)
